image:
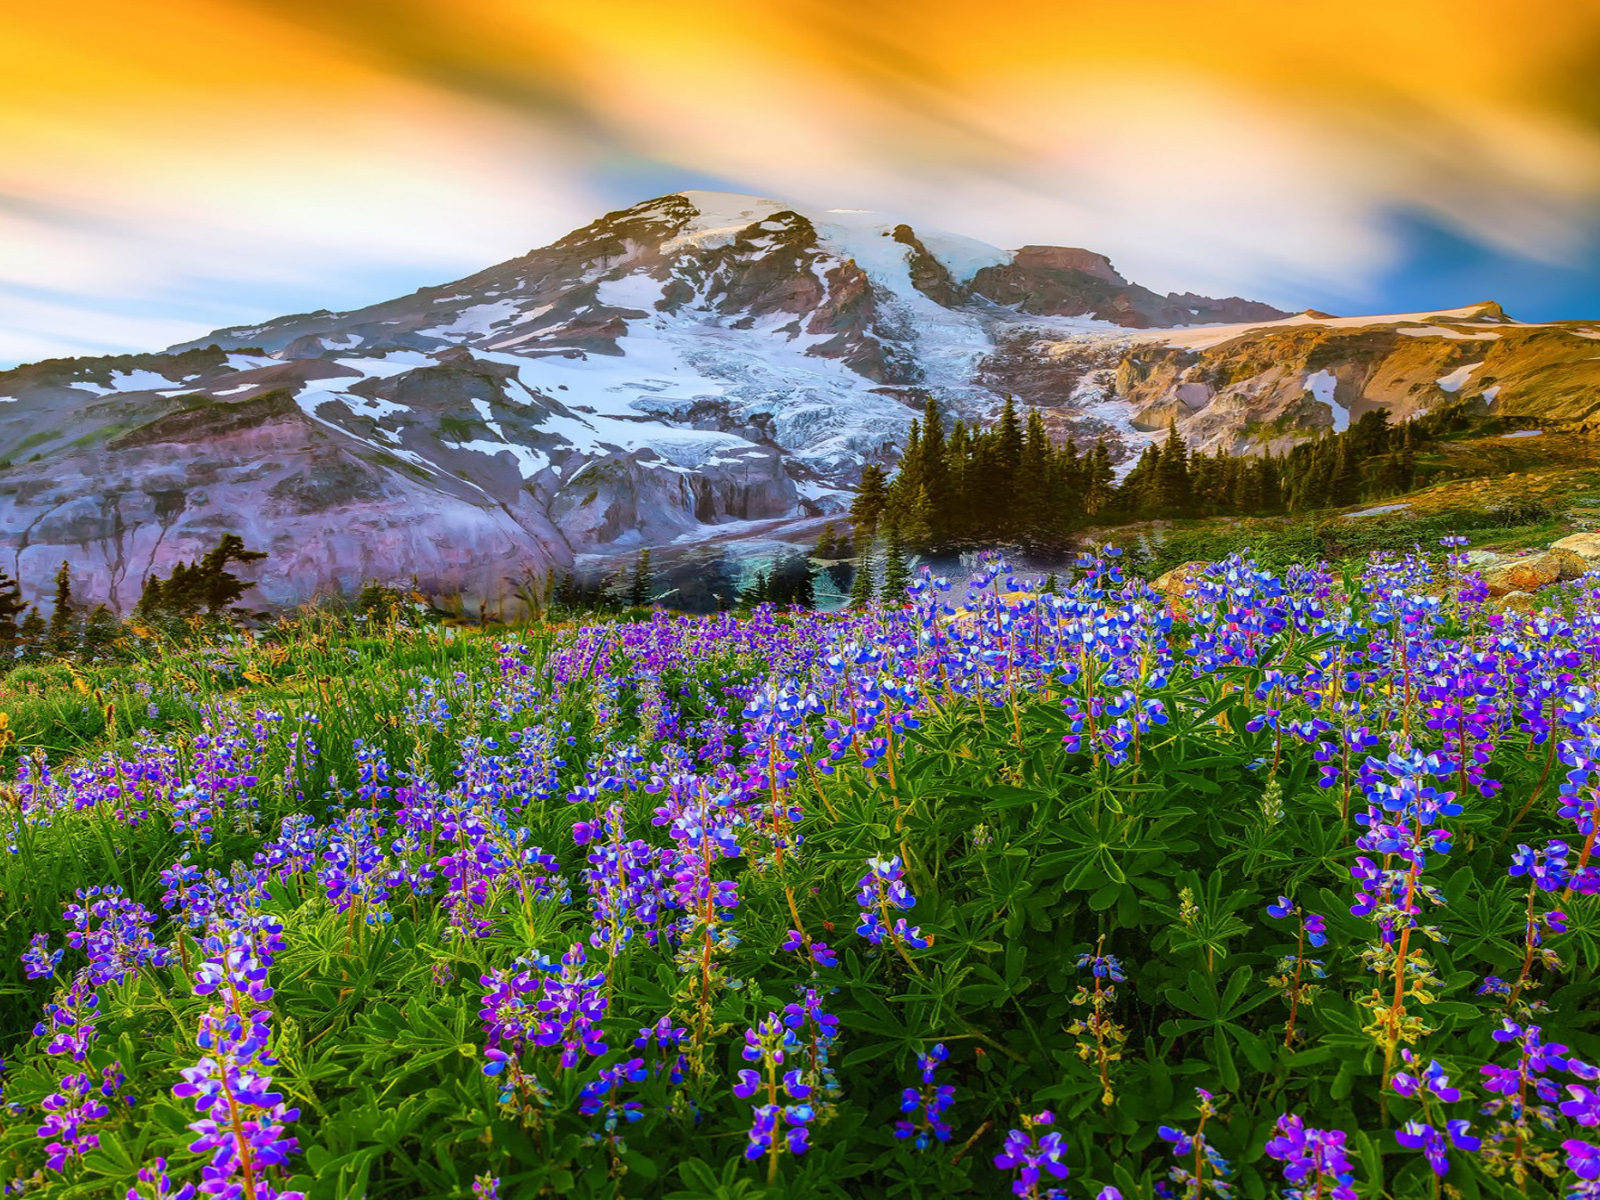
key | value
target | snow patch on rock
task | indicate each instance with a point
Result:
(1322, 385)
(1457, 379)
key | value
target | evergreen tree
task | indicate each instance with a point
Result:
(915, 526)
(1269, 487)
(1344, 485)
(1098, 479)
(205, 587)
(1052, 585)
(935, 473)
(1007, 455)
(11, 607)
(61, 638)
(640, 586)
(896, 573)
(32, 634)
(826, 549)
(100, 632)
(861, 588)
(866, 510)
(1033, 496)
(758, 593)
(220, 588)
(1170, 490)
(564, 593)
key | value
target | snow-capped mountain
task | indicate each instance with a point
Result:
(690, 368)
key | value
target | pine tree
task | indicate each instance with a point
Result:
(1269, 486)
(640, 587)
(759, 592)
(801, 579)
(935, 474)
(1052, 585)
(11, 607)
(866, 510)
(32, 634)
(219, 588)
(826, 550)
(1344, 485)
(1098, 479)
(61, 638)
(896, 574)
(1031, 513)
(204, 587)
(100, 632)
(917, 522)
(1007, 457)
(1171, 492)
(861, 587)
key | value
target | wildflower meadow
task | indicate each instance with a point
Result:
(1282, 887)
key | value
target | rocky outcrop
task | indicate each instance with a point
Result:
(329, 517)
(1527, 582)
(1584, 545)
(1061, 281)
(1248, 389)
(1533, 572)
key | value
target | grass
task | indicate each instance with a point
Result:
(1025, 850)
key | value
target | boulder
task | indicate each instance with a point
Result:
(1533, 572)
(1584, 545)
(1514, 602)
(1573, 565)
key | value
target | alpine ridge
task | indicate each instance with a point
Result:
(699, 366)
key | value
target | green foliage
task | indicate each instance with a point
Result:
(1024, 855)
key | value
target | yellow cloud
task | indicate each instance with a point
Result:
(1228, 143)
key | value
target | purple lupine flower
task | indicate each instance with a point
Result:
(796, 943)
(38, 960)
(1195, 1153)
(926, 1106)
(665, 1038)
(1434, 1144)
(1316, 929)
(69, 1020)
(1430, 1081)
(68, 1111)
(881, 889)
(1035, 1157)
(1315, 1161)
(153, 1184)
(775, 1127)
(604, 1096)
(115, 934)
(1583, 1160)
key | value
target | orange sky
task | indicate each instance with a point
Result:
(173, 166)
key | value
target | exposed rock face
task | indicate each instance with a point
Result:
(164, 491)
(665, 375)
(1249, 388)
(1061, 281)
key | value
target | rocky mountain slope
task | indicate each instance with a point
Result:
(676, 372)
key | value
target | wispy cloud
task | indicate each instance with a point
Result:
(203, 162)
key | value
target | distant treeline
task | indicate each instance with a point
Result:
(196, 595)
(967, 488)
